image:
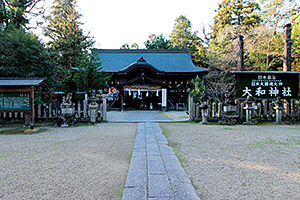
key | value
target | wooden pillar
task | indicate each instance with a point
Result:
(122, 99)
(287, 59)
(241, 53)
(32, 107)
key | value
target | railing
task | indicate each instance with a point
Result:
(263, 110)
(50, 111)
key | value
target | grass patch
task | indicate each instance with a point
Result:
(292, 141)
(20, 131)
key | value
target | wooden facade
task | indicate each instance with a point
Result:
(142, 77)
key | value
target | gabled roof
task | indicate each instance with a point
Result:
(20, 81)
(169, 61)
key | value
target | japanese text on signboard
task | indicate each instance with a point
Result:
(266, 86)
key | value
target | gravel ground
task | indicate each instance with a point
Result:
(239, 162)
(88, 162)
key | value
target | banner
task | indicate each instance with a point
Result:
(164, 98)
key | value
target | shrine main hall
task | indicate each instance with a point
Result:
(149, 79)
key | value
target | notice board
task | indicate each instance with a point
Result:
(14, 100)
(266, 85)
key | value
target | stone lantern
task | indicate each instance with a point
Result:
(93, 109)
(248, 107)
(279, 108)
(204, 108)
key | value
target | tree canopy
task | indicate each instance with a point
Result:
(67, 38)
(243, 14)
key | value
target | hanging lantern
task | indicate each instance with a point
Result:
(147, 94)
(139, 92)
(157, 93)
(129, 92)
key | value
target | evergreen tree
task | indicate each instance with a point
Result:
(243, 14)
(157, 42)
(14, 13)
(182, 37)
(67, 38)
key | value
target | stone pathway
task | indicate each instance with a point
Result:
(155, 172)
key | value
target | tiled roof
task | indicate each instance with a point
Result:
(116, 60)
(20, 81)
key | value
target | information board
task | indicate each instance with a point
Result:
(267, 85)
(14, 100)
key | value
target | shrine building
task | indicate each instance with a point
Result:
(149, 79)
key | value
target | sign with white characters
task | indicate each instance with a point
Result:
(266, 84)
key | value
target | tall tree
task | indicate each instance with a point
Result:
(157, 42)
(243, 14)
(15, 13)
(279, 12)
(66, 36)
(22, 54)
(182, 37)
(296, 42)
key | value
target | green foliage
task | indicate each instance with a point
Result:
(133, 46)
(243, 14)
(14, 13)
(67, 39)
(182, 37)
(157, 42)
(198, 88)
(22, 54)
(89, 74)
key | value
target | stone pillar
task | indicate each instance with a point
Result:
(279, 109)
(197, 111)
(78, 109)
(50, 110)
(191, 108)
(248, 107)
(93, 110)
(104, 107)
(85, 109)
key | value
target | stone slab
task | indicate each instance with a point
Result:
(159, 186)
(156, 166)
(131, 193)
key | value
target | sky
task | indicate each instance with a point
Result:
(113, 23)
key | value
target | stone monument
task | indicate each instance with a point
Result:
(67, 117)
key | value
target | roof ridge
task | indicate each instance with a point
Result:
(142, 50)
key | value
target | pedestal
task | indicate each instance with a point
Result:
(204, 116)
(248, 115)
(278, 115)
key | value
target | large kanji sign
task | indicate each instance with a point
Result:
(266, 84)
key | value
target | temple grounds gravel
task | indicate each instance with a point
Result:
(89, 162)
(239, 162)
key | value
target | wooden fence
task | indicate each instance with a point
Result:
(50, 111)
(263, 110)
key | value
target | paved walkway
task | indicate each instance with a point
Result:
(137, 116)
(155, 172)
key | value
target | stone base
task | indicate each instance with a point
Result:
(248, 123)
(279, 123)
(31, 130)
(204, 123)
